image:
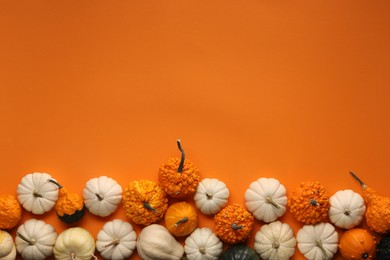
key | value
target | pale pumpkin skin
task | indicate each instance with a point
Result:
(203, 244)
(211, 196)
(74, 242)
(7, 246)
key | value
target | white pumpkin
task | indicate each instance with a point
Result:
(75, 244)
(203, 244)
(347, 209)
(266, 199)
(318, 242)
(275, 241)
(102, 196)
(156, 242)
(38, 192)
(116, 240)
(211, 196)
(35, 239)
(7, 246)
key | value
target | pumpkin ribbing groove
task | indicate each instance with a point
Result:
(180, 168)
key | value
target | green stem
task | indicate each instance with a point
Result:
(180, 168)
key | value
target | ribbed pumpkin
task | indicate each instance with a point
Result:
(181, 219)
(383, 248)
(240, 252)
(357, 243)
(10, 212)
(69, 206)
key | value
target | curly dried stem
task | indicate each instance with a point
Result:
(56, 183)
(318, 243)
(183, 155)
(27, 240)
(359, 180)
(269, 200)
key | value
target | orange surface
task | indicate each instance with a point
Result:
(294, 90)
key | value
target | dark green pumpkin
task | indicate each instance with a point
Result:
(240, 252)
(383, 248)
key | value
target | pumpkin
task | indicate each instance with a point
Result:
(145, 202)
(383, 248)
(10, 212)
(178, 177)
(275, 241)
(211, 196)
(318, 242)
(181, 219)
(102, 196)
(38, 192)
(69, 206)
(233, 224)
(116, 240)
(377, 212)
(156, 242)
(74, 243)
(346, 209)
(357, 243)
(7, 246)
(35, 239)
(266, 199)
(203, 244)
(240, 252)
(310, 203)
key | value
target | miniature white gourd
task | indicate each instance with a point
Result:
(7, 246)
(211, 196)
(203, 244)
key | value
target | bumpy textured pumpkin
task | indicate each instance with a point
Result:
(266, 199)
(179, 177)
(74, 243)
(10, 212)
(310, 203)
(145, 202)
(233, 224)
(7, 246)
(203, 244)
(240, 252)
(69, 206)
(181, 219)
(383, 248)
(357, 243)
(211, 196)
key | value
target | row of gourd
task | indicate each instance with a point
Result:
(145, 202)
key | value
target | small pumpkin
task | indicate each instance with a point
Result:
(69, 207)
(240, 252)
(383, 248)
(318, 242)
(310, 203)
(7, 246)
(357, 243)
(102, 196)
(116, 240)
(38, 192)
(203, 244)
(233, 224)
(10, 212)
(179, 177)
(211, 196)
(181, 219)
(275, 241)
(35, 239)
(346, 209)
(145, 202)
(266, 199)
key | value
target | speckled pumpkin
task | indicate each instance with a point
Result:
(10, 211)
(69, 206)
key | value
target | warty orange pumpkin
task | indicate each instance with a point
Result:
(10, 211)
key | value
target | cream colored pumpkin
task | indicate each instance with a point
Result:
(75, 244)
(275, 241)
(35, 239)
(7, 246)
(266, 199)
(318, 242)
(102, 196)
(156, 242)
(116, 240)
(347, 209)
(203, 244)
(38, 192)
(211, 196)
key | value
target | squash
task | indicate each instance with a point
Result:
(203, 244)
(35, 239)
(357, 243)
(10, 212)
(76, 244)
(377, 212)
(156, 242)
(318, 242)
(211, 196)
(346, 209)
(181, 219)
(240, 252)
(69, 207)
(7, 246)
(179, 178)
(233, 224)
(383, 248)
(310, 203)
(275, 241)
(102, 196)
(266, 199)
(38, 192)
(145, 202)
(116, 240)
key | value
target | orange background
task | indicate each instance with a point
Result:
(294, 90)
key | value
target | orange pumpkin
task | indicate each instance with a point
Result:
(179, 177)
(10, 211)
(181, 219)
(69, 206)
(357, 243)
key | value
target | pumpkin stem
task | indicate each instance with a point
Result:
(365, 255)
(181, 221)
(99, 196)
(313, 202)
(318, 243)
(234, 226)
(114, 242)
(269, 200)
(55, 182)
(347, 212)
(359, 180)
(27, 240)
(37, 195)
(180, 169)
(147, 206)
(275, 245)
(202, 250)
(209, 195)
